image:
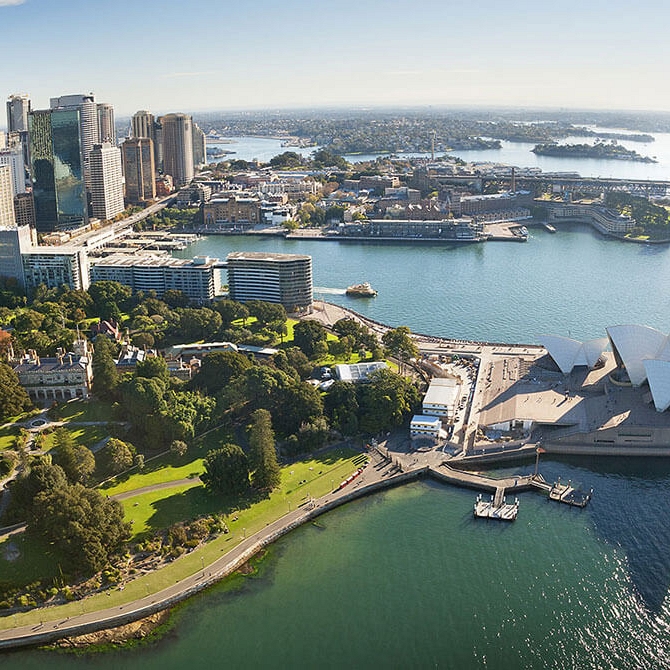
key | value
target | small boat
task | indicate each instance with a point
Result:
(361, 291)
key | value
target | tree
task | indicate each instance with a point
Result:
(41, 477)
(341, 406)
(307, 334)
(84, 527)
(105, 375)
(267, 313)
(109, 298)
(230, 310)
(385, 401)
(262, 453)
(153, 367)
(400, 344)
(77, 461)
(226, 470)
(13, 397)
(178, 448)
(116, 456)
(219, 368)
(288, 159)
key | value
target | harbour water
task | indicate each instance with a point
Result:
(510, 153)
(407, 578)
(574, 283)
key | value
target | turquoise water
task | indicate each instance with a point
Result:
(575, 282)
(407, 578)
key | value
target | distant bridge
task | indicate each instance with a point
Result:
(643, 187)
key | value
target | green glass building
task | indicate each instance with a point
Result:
(58, 179)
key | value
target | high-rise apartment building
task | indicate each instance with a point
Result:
(178, 148)
(139, 169)
(106, 123)
(271, 277)
(199, 146)
(88, 119)
(106, 181)
(13, 159)
(18, 108)
(57, 169)
(14, 241)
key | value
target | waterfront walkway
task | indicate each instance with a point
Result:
(389, 465)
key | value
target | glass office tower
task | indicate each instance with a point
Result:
(58, 180)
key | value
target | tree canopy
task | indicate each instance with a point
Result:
(226, 470)
(13, 397)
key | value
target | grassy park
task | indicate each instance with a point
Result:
(314, 477)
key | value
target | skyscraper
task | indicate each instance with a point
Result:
(139, 169)
(57, 170)
(13, 157)
(106, 181)
(106, 125)
(143, 124)
(7, 217)
(18, 107)
(199, 146)
(178, 148)
(88, 114)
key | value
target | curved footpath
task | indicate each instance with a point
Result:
(385, 469)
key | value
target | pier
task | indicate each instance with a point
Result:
(496, 507)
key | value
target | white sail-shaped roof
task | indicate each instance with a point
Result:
(567, 353)
(658, 375)
(634, 344)
(563, 350)
(593, 350)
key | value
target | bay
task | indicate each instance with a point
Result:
(408, 578)
(511, 153)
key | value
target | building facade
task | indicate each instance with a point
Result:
(106, 123)
(106, 181)
(88, 125)
(18, 108)
(178, 147)
(55, 267)
(280, 278)
(199, 146)
(195, 278)
(13, 158)
(14, 241)
(63, 377)
(233, 213)
(57, 170)
(139, 168)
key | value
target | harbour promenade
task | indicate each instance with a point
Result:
(390, 464)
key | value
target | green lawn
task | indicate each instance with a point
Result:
(166, 473)
(33, 563)
(85, 410)
(86, 436)
(299, 480)
(333, 466)
(8, 436)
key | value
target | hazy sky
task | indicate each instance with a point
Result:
(190, 55)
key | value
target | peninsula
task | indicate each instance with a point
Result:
(597, 150)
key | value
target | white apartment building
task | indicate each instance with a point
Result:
(106, 181)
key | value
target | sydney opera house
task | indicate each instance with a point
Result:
(606, 396)
(641, 354)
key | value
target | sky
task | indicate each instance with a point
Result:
(197, 55)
